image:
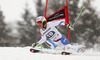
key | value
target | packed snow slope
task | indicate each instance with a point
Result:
(23, 53)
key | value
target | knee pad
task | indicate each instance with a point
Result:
(50, 44)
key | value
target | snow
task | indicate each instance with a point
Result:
(23, 53)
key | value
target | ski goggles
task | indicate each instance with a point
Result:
(39, 22)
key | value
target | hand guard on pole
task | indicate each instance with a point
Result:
(37, 45)
(70, 27)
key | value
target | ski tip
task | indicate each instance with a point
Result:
(34, 50)
(65, 53)
(31, 50)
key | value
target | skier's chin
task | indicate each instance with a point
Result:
(40, 27)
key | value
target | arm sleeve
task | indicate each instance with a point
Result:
(42, 40)
(58, 22)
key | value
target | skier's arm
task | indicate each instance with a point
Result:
(58, 23)
(42, 40)
(61, 22)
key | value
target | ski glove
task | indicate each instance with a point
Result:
(35, 45)
(70, 27)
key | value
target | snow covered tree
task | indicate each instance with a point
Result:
(3, 31)
(27, 28)
(40, 8)
(87, 27)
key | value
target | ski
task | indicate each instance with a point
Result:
(34, 50)
(49, 51)
(65, 53)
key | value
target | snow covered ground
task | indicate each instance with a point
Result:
(23, 53)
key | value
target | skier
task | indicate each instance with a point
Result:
(48, 31)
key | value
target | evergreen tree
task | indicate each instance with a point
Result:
(88, 30)
(29, 32)
(27, 29)
(40, 8)
(3, 31)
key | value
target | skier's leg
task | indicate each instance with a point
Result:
(69, 47)
(61, 44)
(50, 44)
(64, 41)
(67, 44)
(74, 48)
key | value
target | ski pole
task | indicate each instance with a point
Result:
(78, 16)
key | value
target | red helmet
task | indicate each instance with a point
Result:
(40, 20)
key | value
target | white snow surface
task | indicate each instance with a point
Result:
(23, 53)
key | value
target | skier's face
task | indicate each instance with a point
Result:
(40, 25)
